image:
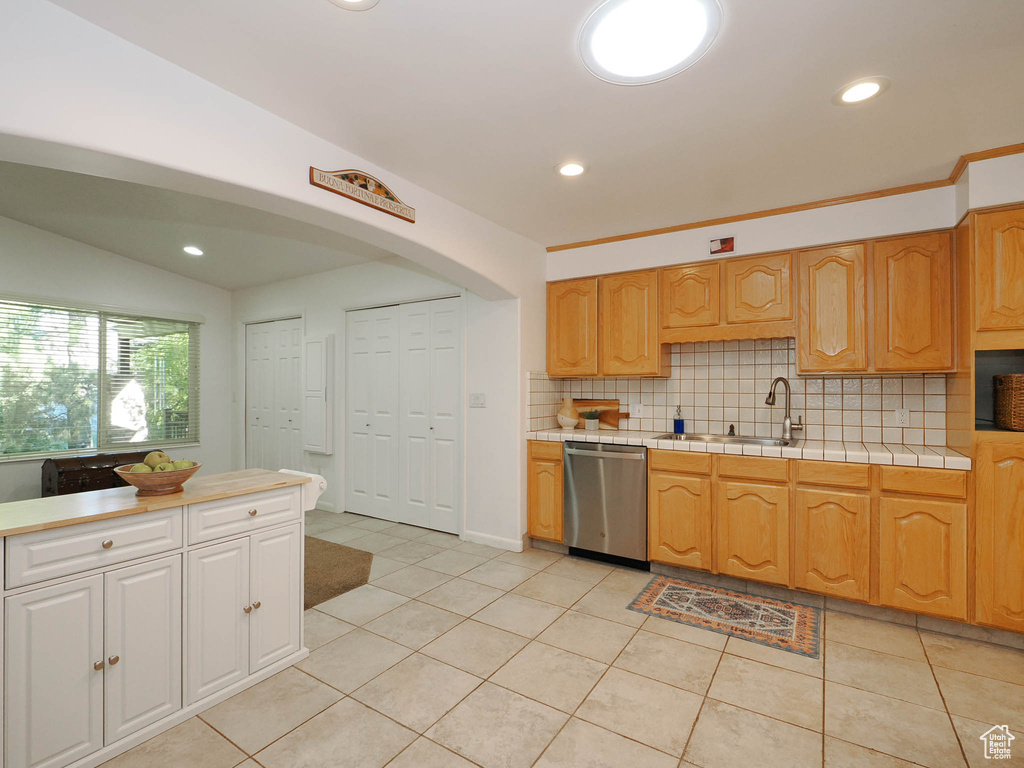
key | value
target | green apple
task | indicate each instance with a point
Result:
(154, 459)
(140, 468)
(183, 464)
(165, 467)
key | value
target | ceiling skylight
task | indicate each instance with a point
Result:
(634, 42)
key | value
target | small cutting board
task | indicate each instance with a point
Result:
(609, 411)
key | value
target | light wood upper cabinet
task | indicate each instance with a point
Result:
(679, 519)
(572, 328)
(922, 556)
(999, 564)
(833, 309)
(759, 289)
(690, 296)
(544, 487)
(752, 538)
(833, 542)
(913, 298)
(628, 325)
(999, 270)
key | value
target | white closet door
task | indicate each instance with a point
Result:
(385, 414)
(288, 393)
(259, 396)
(446, 403)
(414, 449)
(359, 384)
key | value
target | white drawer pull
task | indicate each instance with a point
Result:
(108, 543)
(252, 512)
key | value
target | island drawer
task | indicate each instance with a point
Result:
(42, 555)
(240, 514)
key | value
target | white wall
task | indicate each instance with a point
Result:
(38, 264)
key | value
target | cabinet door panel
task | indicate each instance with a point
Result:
(679, 519)
(758, 290)
(833, 542)
(922, 556)
(833, 308)
(690, 296)
(752, 539)
(142, 630)
(545, 489)
(572, 328)
(275, 590)
(628, 325)
(999, 510)
(913, 303)
(53, 693)
(218, 626)
(999, 269)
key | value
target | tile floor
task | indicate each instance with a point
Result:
(458, 655)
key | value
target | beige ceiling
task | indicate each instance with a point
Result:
(477, 100)
(242, 247)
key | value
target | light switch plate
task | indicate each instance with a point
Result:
(477, 400)
(636, 410)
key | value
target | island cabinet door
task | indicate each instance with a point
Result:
(999, 517)
(833, 309)
(679, 519)
(53, 673)
(276, 592)
(218, 617)
(833, 542)
(752, 539)
(142, 631)
(922, 556)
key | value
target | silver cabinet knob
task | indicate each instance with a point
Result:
(107, 543)
(257, 605)
(247, 609)
(98, 665)
(113, 660)
(252, 512)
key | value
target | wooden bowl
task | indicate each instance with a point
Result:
(156, 483)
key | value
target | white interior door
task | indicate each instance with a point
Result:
(359, 384)
(273, 395)
(446, 405)
(288, 393)
(414, 426)
(384, 418)
(259, 395)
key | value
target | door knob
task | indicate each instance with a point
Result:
(113, 660)
(252, 512)
(257, 605)
(247, 609)
(107, 543)
(98, 665)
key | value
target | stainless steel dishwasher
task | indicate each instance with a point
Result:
(606, 499)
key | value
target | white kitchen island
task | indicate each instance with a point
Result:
(124, 616)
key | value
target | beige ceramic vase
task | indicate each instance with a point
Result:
(568, 416)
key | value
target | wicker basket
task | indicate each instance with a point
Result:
(1009, 401)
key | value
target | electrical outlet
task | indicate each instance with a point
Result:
(903, 417)
(636, 410)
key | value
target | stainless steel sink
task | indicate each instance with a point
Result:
(729, 439)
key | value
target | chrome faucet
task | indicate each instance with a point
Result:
(787, 423)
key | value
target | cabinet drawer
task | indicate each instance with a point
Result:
(34, 557)
(241, 514)
(542, 449)
(928, 482)
(680, 461)
(835, 473)
(754, 468)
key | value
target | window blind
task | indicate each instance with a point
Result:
(75, 381)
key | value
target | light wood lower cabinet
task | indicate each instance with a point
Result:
(679, 519)
(545, 489)
(832, 553)
(752, 539)
(999, 521)
(922, 556)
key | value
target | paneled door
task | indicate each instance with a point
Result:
(752, 531)
(999, 499)
(372, 412)
(999, 269)
(545, 489)
(273, 394)
(628, 338)
(53, 674)
(679, 519)
(143, 645)
(446, 402)
(572, 328)
(690, 296)
(913, 300)
(274, 591)
(833, 542)
(759, 289)
(833, 309)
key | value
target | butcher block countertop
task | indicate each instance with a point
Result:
(73, 509)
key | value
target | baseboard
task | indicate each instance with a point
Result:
(512, 545)
(326, 506)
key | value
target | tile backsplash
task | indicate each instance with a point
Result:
(718, 383)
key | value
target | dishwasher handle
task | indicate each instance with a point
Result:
(603, 455)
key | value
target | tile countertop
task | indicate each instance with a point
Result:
(936, 457)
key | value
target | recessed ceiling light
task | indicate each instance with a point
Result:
(634, 42)
(355, 5)
(571, 168)
(191, 250)
(860, 90)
